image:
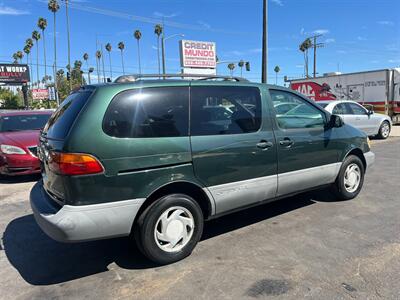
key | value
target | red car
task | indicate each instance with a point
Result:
(19, 134)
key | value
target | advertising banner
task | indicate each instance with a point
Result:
(40, 94)
(14, 74)
(197, 54)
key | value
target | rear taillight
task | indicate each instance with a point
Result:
(74, 164)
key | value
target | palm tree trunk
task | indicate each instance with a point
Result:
(140, 67)
(276, 78)
(55, 60)
(109, 58)
(98, 71)
(158, 55)
(37, 61)
(122, 59)
(102, 62)
(69, 45)
(44, 54)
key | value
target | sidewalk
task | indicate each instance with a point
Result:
(395, 130)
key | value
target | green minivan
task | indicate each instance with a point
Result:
(155, 158)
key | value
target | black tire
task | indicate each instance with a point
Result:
(382, 134)
(339, 188)
(144, 229)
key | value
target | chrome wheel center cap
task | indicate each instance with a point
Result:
(174, 229)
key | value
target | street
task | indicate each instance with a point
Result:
(307, 246)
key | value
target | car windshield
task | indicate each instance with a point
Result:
(23, 122)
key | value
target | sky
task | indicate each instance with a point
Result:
(358, 35)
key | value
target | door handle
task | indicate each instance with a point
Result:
(263, 144)
(286, 142)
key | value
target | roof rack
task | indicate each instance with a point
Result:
(136, 77)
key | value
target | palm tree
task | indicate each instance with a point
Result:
(158, 31)
(109, 48)
(276, 70)
(121, 46)
(42, 24)
(27, 50)
(241, 64)
(15, 57)
(36, 37)
(98, 57)
(86, 58)
(307, 44)
(138, 36)
(231, 67)
(54, 7)
(20, 55)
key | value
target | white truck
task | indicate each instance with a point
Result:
(379, 89)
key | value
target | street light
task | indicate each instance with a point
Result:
(163, 39)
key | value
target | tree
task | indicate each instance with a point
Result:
(9, 100)
(54, 7)
(121, 46)
(158, 31)
(86, 58)
(36, 37)
(15, 57)
(307, 44)
(42, 24)
(138, 36)
(231, 67)
(109, 48)
(276, 70)
(241, 65)
(98, 57)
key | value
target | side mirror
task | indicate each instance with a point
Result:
(335, 121)
(370, 112)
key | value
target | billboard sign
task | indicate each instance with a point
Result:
(40, 94)
(14, 74)
(197, 54)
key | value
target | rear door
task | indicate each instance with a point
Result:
(234, 153)
(362, 119)
(307, 153)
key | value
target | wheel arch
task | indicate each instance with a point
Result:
(191, 189)
(359, 153)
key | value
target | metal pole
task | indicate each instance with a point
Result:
(102, 62)
(69, 46)
(264, 71)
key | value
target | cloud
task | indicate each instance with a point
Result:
(302, 31)
(386, 23)
(277, 2)
(394, 61)
(328, 41)
(321, 31)
(158, 14)
(256, 50)
(341, 51)
(204, 24)
(10, 11)
(299, 66)
(361, 38)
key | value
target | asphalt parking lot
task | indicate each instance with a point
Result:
(308, 246)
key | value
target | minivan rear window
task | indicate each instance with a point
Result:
(62, 119)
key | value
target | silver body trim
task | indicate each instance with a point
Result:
(369, 158)
(300, 180)
(233, 195)
(86, 222)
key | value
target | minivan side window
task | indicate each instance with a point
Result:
(357, 109)
(301, 115)
(148, 112)
(217, 110)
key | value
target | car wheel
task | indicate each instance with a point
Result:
(350, 180)
(169, 229)
(384, 130)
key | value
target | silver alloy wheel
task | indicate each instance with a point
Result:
(174, 229)
(385, 129)
(352, 178)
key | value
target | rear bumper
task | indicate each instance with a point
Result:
(369, 158)
(82, 223)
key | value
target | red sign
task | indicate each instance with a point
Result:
(314, 90)
(40, 94)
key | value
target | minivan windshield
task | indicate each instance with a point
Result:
(62, 119)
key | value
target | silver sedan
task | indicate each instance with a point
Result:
(358, 116)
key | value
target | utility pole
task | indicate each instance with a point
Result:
(264, 67)
(316, 45)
